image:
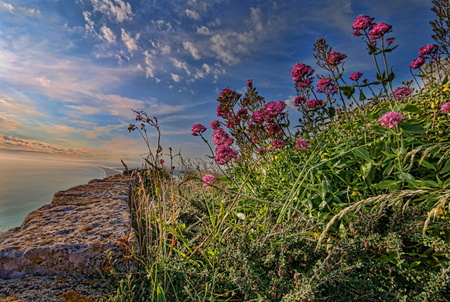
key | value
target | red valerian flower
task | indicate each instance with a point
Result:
(389, 41)
(197, 129)
(379, 30)
(335, 58)
(391, 119)
(299, 100)
(215, 124)
(249, 82)
(302, 75)
(301, 144)
(355, 76)
(402, 92)
(428, 49)
(314, 103)
(417, 63)
(361, 23)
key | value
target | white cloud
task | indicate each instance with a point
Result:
(6, 6)
(216, 22)
(43, 81)
(89, 23)
(83, 109)
(206, 68)
(255, 15)
(13, 105)
(194, 52)
(203, 30)
(192, 14)
(165, 49)
(180, 65)
(130, 43)
(162, 25)
(139, 67)
(175, 77)
(224, 48)
(118, 11)
(150, 68)
(108, 35)
(8, 122)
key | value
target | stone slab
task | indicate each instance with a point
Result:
(69, 236)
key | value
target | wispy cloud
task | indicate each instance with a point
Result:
(107, 34)
(191, 48)
(130, 43)
(192, 14)
(118, 11)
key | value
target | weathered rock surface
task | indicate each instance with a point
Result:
(69, 236)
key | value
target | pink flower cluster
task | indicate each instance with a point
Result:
(361, 23)
(302, 75)
(391, 119)
(215, 124)
(258, 117)
(221, 137)
(224, 153)
(314, 103)
(197, 129)
(224, 92)
(299, 100)
(242, 112)
(379, 30)
(325, 85)
(208, 180)
(355, 76)
(233, 122)
(335, 58)
(402, 92)
(274, 110)
(249, 82)
(223, 110)
(278, 144)
(302, 144)
(389, 41)
(445, 108)
(427, 50)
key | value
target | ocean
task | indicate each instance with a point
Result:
(27, 182)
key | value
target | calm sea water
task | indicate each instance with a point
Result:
(27, 183)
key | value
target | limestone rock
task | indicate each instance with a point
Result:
(70, 235)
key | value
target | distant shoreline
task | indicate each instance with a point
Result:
(110, 172)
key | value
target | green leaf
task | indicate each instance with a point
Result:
(445, 80)
(331, 111)
(160, 296)
(364, 154)
(446, 168)
(365, 169)
(410, 108)
(409, 178)
(386, 184)
(409, 128)
(348, 91)
(362, 97)
(427, 165)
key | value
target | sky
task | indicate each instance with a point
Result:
(71, 71)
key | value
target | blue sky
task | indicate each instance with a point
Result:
(72, 70)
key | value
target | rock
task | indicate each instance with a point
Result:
(70, 235)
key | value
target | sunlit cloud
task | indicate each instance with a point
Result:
(191, 48)
(8, 122)
(118, 11)
(108, 35)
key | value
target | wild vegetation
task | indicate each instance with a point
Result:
(353, 205)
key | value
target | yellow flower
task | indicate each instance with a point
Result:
(433, 105)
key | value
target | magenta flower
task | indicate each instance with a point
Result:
(255, 139)
(249, 82)
(379, 30)
(325, 85)
(302, 144)
(275, 129)
(445, 108)
(362, 22)
(262, 150)
(258, 117)
(224, 154)
(389, 41)
(335, 58)
(299, 100)
(208, 180)
(232, 123)
(278, 144)
(197, 129)
(402, 92)
(355, 76)
(221, 137)
(428, 49)
(274, 110)
(391, 119)
(161, 161)
(242, 112)
(215, 124)
(224, 92)
(223, 110)
(417, 63)
(173, 167)
(314, 103)
(302, 75)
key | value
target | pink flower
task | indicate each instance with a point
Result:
(224, 92)
(428, 49)
(355, 76)
(208, 180)
(401, 92)
(224, 154)
(242, 112)
(302, 74)
(314, 103)
(255, 139)
(233, 122)
(325, 85)
(299, 100)
(362, 22)
(223, 110)
(335, 58)
(417, 63)
(278, 144)
(161, 161)
(379, 30)
(197, 129)
(262, 150)
(275, 129)
(173, 167)
(389, 41)
(302, 144)
(258, 117)
(274, 110)
(249, 82)
(221, 137)
(391, 119)
(445, 108)
(215, 124)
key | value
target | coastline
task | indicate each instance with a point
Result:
(110, 172)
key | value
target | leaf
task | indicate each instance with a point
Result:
(160, 296)
(331, 111)
(427, 165)
(410, 108)
(348, 91)
(364, 154)
(362, 97)
(386, 184)
(410, 128)
(446, 168)
(409, 178)
(365, 169)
